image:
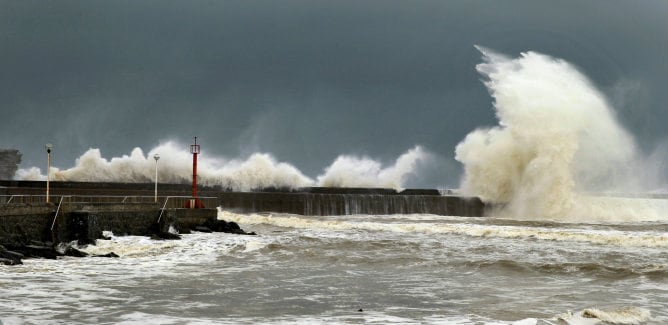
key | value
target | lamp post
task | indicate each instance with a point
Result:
(48, 147)
(156, 157)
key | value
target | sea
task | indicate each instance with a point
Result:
(356, 269)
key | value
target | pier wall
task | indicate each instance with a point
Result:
(19, 222)
(303, 201)
(124, 209)
(86, 221)
(346, 204)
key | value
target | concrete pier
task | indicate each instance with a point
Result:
(82, 211)
(346, 204)
(303, 201)
(83, 221)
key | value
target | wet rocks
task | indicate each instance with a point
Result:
(8, 257)
(71, 251)
(203, 229)
(227, 227)
(161, 235)
(13, 253)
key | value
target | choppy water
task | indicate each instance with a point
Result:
(396, 269)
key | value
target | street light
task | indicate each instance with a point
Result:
(156, 157)
(48, 147)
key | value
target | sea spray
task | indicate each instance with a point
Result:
(259, 170)
(556, 135)
(351, 171)
(175, 166)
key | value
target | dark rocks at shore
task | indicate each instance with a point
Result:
(8, 257)
(14, 252)
(203, 229)
(41, 251)
(73, 252)
(165, 236)
(227, 227)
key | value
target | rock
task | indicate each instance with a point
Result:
(71, 251)
(227, 227)
(203, 229)
(12, 255)
(112, 254)
(165, 235)
(7, 261)
(34, 251)
(40, 251)
(233, 225)
(8, 257)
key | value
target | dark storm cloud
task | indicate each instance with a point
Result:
(304, 80)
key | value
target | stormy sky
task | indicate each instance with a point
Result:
(305, 81)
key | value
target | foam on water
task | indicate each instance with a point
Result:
(320, 270)
(368, 317)
(599, 237)
(590, 316)
(629, 315)
(556, 136)
(158, 257)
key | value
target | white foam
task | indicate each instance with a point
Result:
(556, 133)
(351, 171)
(629, 315)
(259, 170)
(599, 237)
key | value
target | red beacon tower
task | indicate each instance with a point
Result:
(194, 202)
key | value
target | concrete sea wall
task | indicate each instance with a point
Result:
(304, 201)
(19, 222)
(346, 204)
(86, 222)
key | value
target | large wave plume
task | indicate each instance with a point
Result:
(557, 136)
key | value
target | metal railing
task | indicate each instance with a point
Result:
(173, 201)
(53, 224)
(23, 199)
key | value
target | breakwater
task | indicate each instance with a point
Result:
(32, 225)
(29, 228)
(303, 201)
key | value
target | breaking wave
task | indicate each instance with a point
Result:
(557, 136)
(260, 170)
(351, 171)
